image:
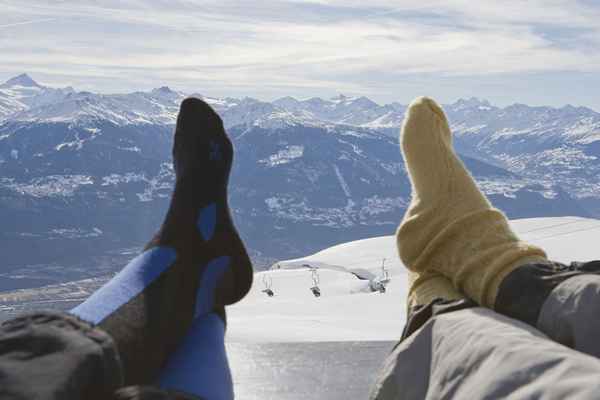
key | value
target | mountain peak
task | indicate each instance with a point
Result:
(164, 90)
(340, 98)
(21, 80)
(471, 103)
(362, 101)
(287, 101)
(365, 102)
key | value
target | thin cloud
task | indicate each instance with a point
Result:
(35, 21)
(320, 46)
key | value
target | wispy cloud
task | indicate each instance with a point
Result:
(35, 21)
(316, 47)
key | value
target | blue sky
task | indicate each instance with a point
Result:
(530, 51)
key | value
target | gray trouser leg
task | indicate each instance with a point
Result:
(562, 301)
(476, 353)
(571, 314)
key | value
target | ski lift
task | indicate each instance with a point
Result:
(376, 285)
(379, 284)
(385, 274)
(268, 282)
(316, 291)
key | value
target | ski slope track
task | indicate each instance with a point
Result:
(347, 310)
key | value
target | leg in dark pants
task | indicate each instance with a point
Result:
(563, 301)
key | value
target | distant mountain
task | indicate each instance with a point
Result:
(85, 178)
(559, 146)
(22, 80)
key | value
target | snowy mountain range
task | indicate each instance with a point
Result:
(86, 177)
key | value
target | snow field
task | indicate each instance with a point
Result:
(347, 310)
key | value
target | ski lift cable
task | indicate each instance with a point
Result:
(543, 228)
(346, 264)
(540, 229)
(567, 233)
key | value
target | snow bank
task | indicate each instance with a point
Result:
(347, 310)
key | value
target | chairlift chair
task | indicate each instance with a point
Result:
(316, 291)
(268, 282)
(385, 274)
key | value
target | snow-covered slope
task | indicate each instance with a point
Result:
(347, 310)
(22, 93)
(356, 111)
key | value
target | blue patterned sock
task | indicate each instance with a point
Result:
(199, 366)
(195, 263)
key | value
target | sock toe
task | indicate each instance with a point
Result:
(200, 141)
(425, 123)
(425, 105)
(194, 112)
(199, 222)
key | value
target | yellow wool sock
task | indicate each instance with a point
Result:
(450, 227)
(426, 287)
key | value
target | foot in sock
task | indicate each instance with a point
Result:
(198, 224)
(195, 263)
(199, 366)
(450, 227)
(425, 287)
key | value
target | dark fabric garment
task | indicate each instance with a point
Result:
(54, 356)
(524, 291)
(419, 315)
(151, 393)
(562, 301)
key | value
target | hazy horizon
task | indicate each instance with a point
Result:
(300, 98)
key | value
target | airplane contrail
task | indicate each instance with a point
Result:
(27, 22)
